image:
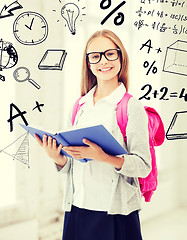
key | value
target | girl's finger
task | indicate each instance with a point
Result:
(38, 139)
(50, 141)
(54, 144)
(59, 147)
(45, 140)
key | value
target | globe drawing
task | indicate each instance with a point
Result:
(8, 56)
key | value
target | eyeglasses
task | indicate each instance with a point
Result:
(110, 55)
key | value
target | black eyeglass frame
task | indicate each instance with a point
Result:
(103, 53)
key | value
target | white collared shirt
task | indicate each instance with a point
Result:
(98, 186)
(92, 181)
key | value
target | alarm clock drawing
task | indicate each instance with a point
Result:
(30, 28)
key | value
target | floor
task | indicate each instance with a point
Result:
(172, 226)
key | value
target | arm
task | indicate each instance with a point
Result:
(138, 162)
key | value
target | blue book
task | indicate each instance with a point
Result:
(97, 134)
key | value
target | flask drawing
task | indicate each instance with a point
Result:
(70, 13)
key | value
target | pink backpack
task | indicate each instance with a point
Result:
(156, 137)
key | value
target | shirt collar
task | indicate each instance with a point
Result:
(113, 98)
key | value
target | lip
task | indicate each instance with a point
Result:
(106, 69)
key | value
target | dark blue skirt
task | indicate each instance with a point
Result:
(82, 224)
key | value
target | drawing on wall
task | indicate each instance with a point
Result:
(38, 106)
(53, 59)
(8, 56)
(6, 11)
(167, 20)
(70, 13)
(30, 28)
(22, 153)
(177, 128)
(175, 58)
(22, 74)
(150, 67)
(119, 19)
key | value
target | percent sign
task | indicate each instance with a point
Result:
(146, 65)
(119, 19)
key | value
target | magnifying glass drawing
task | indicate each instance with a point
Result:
(22, 74)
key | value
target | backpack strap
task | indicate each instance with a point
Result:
(76, 108)
(121, 114)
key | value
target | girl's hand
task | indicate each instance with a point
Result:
(52, 150)
(92, 151)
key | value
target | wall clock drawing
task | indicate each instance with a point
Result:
(30, 28)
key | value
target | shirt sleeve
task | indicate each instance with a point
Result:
(66, 167)
(137, 163)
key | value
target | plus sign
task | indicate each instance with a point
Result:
(38, 106)
(158, 50)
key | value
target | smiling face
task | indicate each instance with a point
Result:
(104, 69)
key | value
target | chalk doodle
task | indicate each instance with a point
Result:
(177, 26)
(162, 93)
(150, 67)
(8, 56)
(22, 154)
(22, 74)
(119, 19)
(162, 27)
(6, 11)
(177, 129)
(30, 28)
(161, 14)
(175, 58)
(53, 59)
(174, 3)
(38, 106)
(149, 46)
(71, 12)
(19, 114)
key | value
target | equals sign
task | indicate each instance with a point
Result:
(173, 94)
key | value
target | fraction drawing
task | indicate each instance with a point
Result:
(8, 56)
(22, 74)
(119, 19)
(22, 154)
(178, 128)
(30, 28)
(53, 59)
(175, 58)
(6, 11)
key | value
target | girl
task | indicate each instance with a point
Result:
(102, 197)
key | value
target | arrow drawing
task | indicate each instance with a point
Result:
(7, 10)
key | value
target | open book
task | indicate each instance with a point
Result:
(97, 134)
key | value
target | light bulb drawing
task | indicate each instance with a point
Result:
(70, 13)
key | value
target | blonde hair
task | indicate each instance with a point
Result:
(89, 80)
